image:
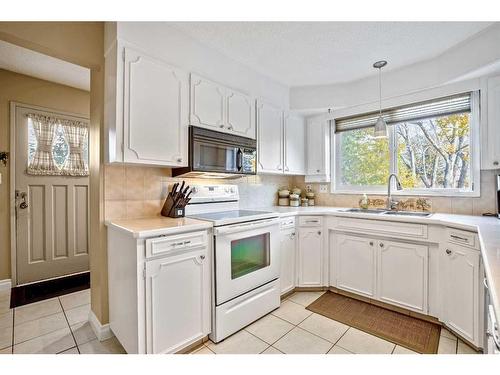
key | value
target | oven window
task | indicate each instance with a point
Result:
(249, 254)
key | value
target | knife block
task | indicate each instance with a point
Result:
(169, 210)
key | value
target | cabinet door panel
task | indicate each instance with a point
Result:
(155, 107)
(177, 301)
(241, 115)
(355, 264)
(492, 130)
(318, 151)
(402, 274)
(207, 103)
(287, 259)
(461, 290)
(310, 257)
(270, 138)
(294, 143)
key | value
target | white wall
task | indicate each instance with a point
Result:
(165, 42)
(472, 58)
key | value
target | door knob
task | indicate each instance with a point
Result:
(23, 204)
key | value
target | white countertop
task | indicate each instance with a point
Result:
(488, 229)
(157, 226)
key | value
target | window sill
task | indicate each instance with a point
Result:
(447, 194)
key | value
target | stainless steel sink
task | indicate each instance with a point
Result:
(365, 211)
(408, 213)
(387, 212)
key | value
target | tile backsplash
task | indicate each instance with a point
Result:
(135, 191)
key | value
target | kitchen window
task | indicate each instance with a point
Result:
(431, 146)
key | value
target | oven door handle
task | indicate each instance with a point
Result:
(244, 227)
(239, 160)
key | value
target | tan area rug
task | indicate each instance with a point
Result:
(412, 333)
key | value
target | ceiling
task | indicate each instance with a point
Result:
(24, 61)
(317, 53)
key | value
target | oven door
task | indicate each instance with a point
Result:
(216, 157)
(246, 257)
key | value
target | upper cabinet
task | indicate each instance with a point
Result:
(294, 144)
(318, 150)
(281, 141)
(146, 109)
(217, 107)
(491, 125)
(270, 138)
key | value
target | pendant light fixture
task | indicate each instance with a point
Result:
(380, 130)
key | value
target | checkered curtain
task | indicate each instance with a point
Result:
(42, 162)
(76, 133)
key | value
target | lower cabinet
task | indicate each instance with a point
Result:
(310, 256)
(402, 277)
(287, 259)
(354, 260)
(390, 271)
(460, 290)
(177, 300)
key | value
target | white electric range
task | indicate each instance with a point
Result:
(246, 258)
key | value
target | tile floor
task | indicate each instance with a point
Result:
(292, 329)
(54, 326)
(60, 325)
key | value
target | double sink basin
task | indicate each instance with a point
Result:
(388, 212)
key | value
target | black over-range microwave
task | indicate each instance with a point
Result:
(213, 154)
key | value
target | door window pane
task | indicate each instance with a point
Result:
(249, 254)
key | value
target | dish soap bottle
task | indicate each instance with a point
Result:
(363, 203)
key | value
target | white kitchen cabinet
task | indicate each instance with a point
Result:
(177, 300)
(294, 144)
(159, 289)
(146, 109)
(355, 261)
(270, 139)
(287, 258)
(310, 257)
(460, 290)
(217, 107)
(402, 277)
(318, 150)
(490, 126)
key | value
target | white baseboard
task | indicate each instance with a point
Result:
(5, 285)
(102, 331)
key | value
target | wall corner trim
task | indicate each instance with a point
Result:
(5, 285)
(102, 331)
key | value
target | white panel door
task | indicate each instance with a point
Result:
(294, 144)
(460, 282)
(52, 237)
(207, 104)
(402, 274)
(177, 300)
(270, 138)
(355, 263)
(156, 111)
(240, 115)
(287, 259)
(310, 257)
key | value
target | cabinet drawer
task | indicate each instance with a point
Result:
(310, 221)
(170, 244)
(287, 222)
(383, 228)
(463, 237)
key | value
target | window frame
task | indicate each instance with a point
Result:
(475, 116)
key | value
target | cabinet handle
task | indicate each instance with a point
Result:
(202, 257)
(179, 160)
(448, 251)
(454, 236)
(177, 244)
(495, 163)
(317, 170)
(221, 126)
(187, 242)
(381, 244)
(485, 282)
(319, 232)
(230, 127)
(371, 243)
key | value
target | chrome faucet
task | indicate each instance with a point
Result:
(391, 205)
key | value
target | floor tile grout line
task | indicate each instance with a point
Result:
(69, 326)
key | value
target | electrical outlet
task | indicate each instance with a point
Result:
(323, 188)
(308, 187)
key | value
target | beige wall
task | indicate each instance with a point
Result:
(81, 43)
(462, 206)
(27, 90)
